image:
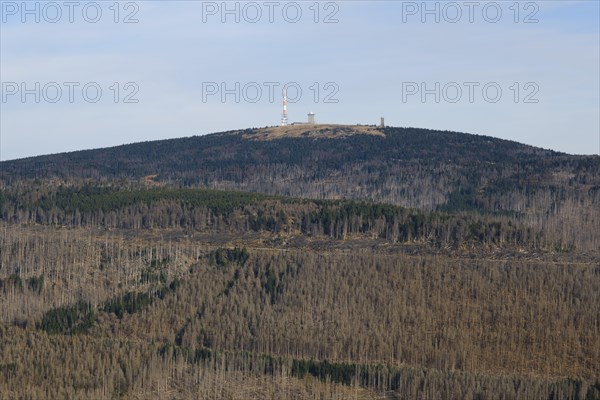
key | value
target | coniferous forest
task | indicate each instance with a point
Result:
(337, 264)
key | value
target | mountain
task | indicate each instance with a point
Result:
(239, 155)
(309, 261)
(417, 168)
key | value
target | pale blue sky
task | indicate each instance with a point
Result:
(371, 55)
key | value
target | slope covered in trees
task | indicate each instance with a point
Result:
(416, 168)
(341, 262)
(194, 209)
(405, 166)
(413, 326)
(220, 294)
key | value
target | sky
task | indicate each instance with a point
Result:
(81, 75)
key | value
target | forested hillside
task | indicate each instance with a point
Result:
(417, 168)
(340, 263)
(216, 211)
(409, 167)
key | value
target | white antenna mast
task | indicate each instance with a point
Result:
(284, 116)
